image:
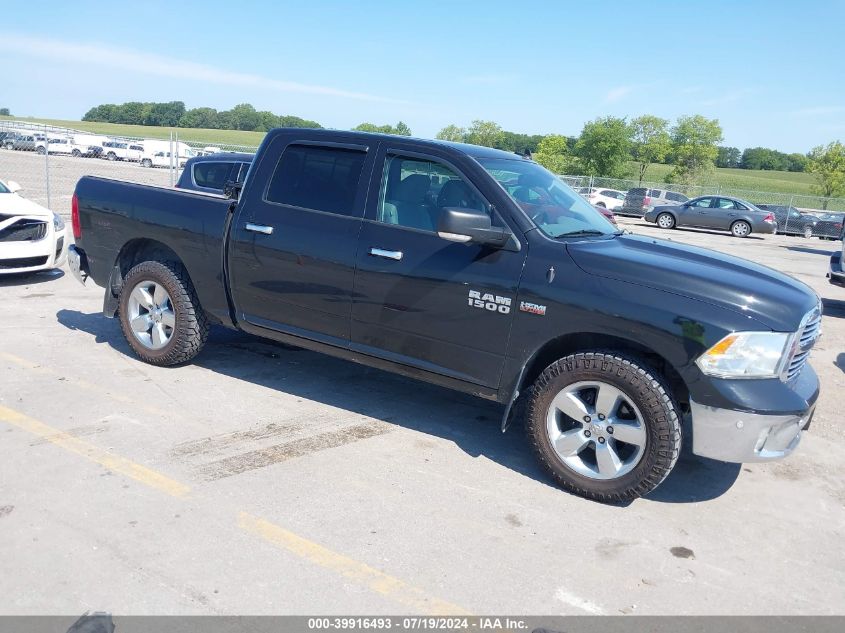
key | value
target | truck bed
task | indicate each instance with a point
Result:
(114, 215)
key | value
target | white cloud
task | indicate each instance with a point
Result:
(134, 61)
(617, 93)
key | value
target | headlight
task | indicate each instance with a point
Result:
(746, 355)
(58, 223)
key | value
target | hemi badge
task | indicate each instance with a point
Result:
(533, 308)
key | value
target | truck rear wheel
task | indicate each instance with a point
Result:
(604, 425)
(160, 314)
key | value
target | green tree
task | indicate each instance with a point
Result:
(200, 117)
(553, 154)
(295, 121)
(797, 162)
(164, 114)
(401, 129)
(486, 133)
(695, 147)
(244, 117)
(604, 147)
(519, 143)
(827, 163)
(452, 133)
(651, 142)
(5, 112)
(728, 157)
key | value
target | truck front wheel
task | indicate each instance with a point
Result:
(160, 314)
(604, 425)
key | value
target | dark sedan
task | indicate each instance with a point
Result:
(791, 221)
(739, 217)
(829, 225)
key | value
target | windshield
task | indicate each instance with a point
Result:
(552, 204)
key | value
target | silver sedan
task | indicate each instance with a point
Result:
(739, 217)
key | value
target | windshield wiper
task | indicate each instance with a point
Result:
(581, 232)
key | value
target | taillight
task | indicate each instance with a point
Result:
(74, 217)
(646, 201)
(770, 218)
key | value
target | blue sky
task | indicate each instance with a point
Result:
(771, 72)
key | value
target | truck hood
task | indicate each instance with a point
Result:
(776, 300)
(13, 204)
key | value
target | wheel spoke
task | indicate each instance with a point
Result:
(608, 398)
(607, 459)
(168, 318)
(143, 297)
(158, 335)
(570, 404)
(160, 295)
(141, 323)
(571, 443)
(629, 433)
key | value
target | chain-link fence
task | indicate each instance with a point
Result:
(795, 214)
(47, 161)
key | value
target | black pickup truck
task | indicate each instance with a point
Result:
(474, 269)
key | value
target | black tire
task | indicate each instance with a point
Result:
(740, 228)
(146, 163)
(668, 221)
(808, 232)
(111, 156)
(602, 205)
(191, 329)
(646, 390)
(41, 150)
(76, 153)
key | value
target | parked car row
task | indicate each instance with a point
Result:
(148, 153)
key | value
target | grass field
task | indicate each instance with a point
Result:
(753, 180)
(211, 137)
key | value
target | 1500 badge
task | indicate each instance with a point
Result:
(491, 302)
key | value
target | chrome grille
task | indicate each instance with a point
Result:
(805, 338)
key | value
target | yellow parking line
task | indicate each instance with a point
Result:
(356, 571)
(361, 573)
(97, 455)
(83, 384)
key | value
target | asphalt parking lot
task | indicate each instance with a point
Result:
(266, 479)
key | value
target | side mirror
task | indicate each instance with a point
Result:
(13, 186)
(232, 189)
(469, 225)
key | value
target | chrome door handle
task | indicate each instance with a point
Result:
(259, 228)
(380, 252)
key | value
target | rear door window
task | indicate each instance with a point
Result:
(318, 178)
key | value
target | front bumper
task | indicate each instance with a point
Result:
(33, 256)
(742, 436)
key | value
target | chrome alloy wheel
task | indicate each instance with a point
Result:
(665, 221)
(596, 430)
(150, 314)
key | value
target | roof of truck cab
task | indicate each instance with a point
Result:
(476, 151)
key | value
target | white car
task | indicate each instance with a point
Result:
(119, 150)
(607, 198)
(32, 237)
(162, 159)
(56, 146)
